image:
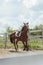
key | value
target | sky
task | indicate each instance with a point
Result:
(14, 13)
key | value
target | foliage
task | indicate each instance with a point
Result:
(36, 33)
(32, 44)
(36, 44)
(38, 27)
(9, 29)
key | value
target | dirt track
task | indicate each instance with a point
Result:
(7, 51)
(4, 52)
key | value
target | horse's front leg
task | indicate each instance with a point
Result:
(27, 48)
(24, 46)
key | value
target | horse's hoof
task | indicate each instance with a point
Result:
(27, 49)
(23, 49)
(16, 50)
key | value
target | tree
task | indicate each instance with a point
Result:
(38, 27)
(9, 29)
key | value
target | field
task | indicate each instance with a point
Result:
(35, 44)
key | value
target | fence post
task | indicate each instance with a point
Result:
(42, 36)
(5, 39)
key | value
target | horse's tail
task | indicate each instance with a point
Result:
(11, 39)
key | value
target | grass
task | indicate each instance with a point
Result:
(36, 44)
(1, 38)
(20, 44)
(32, 44)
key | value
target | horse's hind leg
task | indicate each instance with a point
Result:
(14, 44)
(16, 47)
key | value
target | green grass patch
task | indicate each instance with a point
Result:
(32, 44)
(1, 38)
(36, 44)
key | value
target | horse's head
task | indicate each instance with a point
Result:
(25, 27)
(25, 30)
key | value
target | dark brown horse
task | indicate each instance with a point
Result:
(22, 37)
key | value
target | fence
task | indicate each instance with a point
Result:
(3, 38)
(36, 41)
(37, 37)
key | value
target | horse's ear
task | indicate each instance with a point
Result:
(24, 24)
(27, 23)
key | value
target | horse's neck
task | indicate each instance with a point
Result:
(23, 33)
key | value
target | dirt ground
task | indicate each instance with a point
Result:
(3, 51)
(7, 51)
